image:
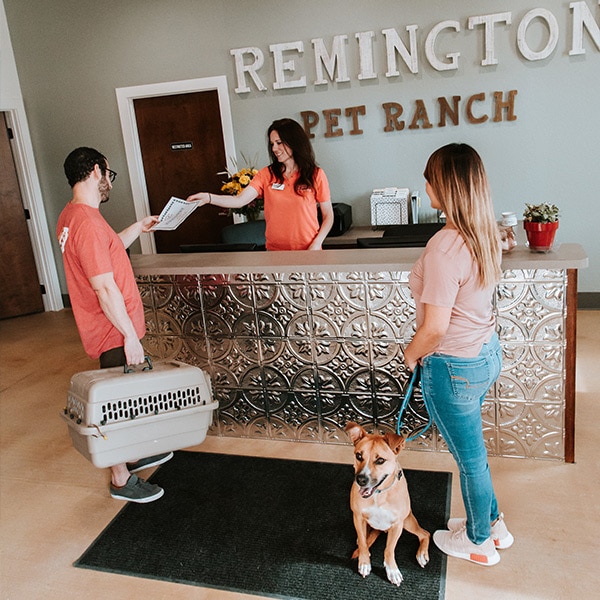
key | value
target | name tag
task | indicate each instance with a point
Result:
(278, 186)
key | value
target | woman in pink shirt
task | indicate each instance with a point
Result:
(291, 187)
(455, 342)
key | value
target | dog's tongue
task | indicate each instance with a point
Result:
(366, 492)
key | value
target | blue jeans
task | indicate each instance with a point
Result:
(453, 390)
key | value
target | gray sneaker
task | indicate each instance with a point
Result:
(137, 490)
(151, 461)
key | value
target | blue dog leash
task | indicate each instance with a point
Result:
(407, 396)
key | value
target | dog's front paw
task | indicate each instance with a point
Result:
(364, 569)
(422, 558)
(393, 574)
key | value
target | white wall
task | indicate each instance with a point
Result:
(72, 56)
(11, 102)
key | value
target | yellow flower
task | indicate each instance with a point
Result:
(230, 188)
(236, 183)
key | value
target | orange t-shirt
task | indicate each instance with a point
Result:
(91, 247)
(292, 221)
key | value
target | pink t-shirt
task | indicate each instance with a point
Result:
(446, 275)
(292, 222)
(91, 247)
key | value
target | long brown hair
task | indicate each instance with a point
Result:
(292, 134)
(458, 178)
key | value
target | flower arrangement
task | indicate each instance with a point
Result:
(235, 183)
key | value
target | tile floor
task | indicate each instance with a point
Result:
(53, 503)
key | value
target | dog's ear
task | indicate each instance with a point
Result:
(395, 442)
(355, 431)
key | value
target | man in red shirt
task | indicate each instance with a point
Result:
(104, 296)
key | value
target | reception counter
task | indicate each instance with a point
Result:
(299, 343)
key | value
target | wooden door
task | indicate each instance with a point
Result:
(182, 148)
(20, 291)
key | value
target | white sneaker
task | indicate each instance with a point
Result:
(500, 535)
(456, 543)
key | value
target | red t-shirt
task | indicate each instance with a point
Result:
(447, 275)
(292, 221)
(91, 247)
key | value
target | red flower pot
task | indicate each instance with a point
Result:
(540, 236)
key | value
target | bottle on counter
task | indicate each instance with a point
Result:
(507, 232)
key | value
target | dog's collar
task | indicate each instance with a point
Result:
(378, 491)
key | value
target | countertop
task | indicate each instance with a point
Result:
(562, 256)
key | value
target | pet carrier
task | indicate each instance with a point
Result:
(120, 415)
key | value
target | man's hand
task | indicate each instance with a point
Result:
(148, 222)
(134, 351)
(133, 232)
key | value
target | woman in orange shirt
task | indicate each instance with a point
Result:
(291, 186)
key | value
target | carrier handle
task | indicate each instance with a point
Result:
(131, 369)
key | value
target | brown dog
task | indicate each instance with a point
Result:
(379, 500)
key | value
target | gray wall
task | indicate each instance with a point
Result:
(71, 56)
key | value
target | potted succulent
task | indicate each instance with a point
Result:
(540, 223)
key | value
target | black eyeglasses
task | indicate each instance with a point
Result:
(112, 175)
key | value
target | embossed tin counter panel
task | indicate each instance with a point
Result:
(295, 356)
